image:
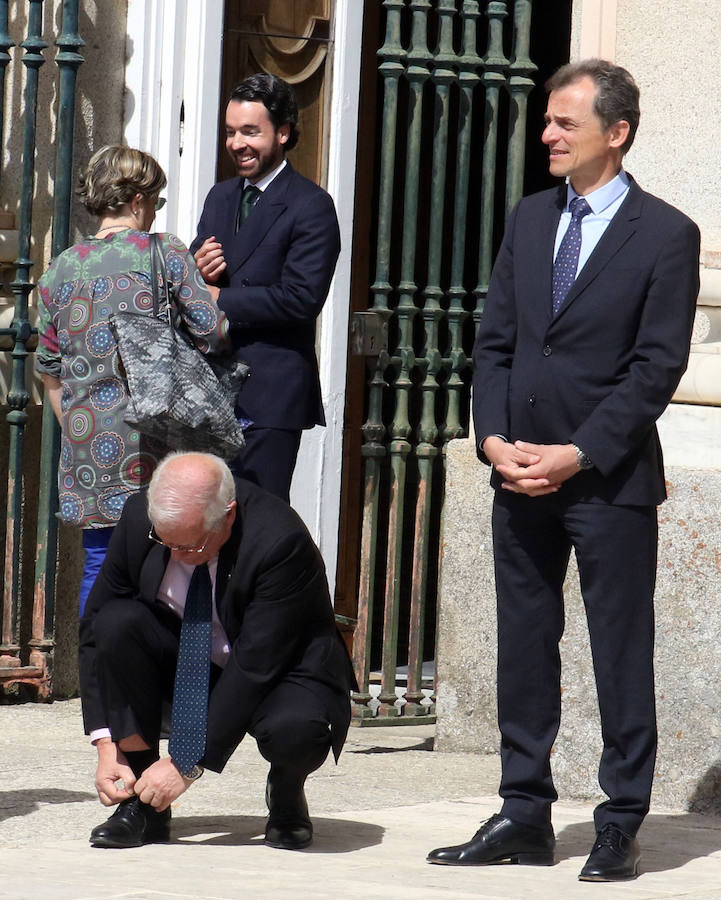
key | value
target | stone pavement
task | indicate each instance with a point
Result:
(389, 801)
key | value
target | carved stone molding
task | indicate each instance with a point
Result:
(292, 37)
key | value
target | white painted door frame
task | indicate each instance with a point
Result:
(315, 492)
(174, 61)
(594, 29)
(172, 88)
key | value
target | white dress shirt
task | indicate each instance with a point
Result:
(263, 183)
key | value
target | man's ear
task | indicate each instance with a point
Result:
(284, 134)
(618, 133)
(232, 511)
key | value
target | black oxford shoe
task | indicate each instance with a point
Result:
(500, 840)
(614, 857)
(289, 826)
(131, 825)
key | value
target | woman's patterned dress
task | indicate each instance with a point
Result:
(102, 459)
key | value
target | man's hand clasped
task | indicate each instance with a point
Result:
(531, 469)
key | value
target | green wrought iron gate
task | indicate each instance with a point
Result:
(29, 662)
(454, 77)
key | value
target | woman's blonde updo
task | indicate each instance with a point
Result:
(115, 175)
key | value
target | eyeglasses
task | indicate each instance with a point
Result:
(153, 535)
(160, 203)
(174, 547)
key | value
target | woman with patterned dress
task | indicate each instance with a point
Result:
(103, 460)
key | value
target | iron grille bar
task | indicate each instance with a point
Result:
(418, 385)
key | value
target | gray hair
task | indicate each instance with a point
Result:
(617, 94)
(170, 498)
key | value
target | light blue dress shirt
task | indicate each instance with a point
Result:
(605, 203)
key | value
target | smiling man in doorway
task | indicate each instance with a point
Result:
(269, 239)
(583, 341)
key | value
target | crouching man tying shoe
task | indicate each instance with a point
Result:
(214, 596)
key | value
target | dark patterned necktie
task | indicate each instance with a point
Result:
(566, 263)
(251, 195)
(190, 696)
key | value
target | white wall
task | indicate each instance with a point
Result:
(174, 54)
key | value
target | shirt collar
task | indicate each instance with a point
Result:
(189, 568)
(602, 197)
(266, 179)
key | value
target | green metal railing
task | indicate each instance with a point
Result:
(418, 389)
(32, 664)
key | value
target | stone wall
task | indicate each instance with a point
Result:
(671, 50)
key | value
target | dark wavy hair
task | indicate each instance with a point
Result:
(617, 94)
(114, 175)
(277, 96)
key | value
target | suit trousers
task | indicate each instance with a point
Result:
(268, 459)
(137, 651)
(616, 551)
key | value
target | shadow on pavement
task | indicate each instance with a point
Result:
(24, 802)
(426, 744)
(329, 835)
(667, 841)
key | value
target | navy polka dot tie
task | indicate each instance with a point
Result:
(190, 697)
(564, 268)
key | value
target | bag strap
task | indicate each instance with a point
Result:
(157, 265)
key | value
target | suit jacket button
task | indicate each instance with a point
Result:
(547, 350)
(532, 399)
(244, 282)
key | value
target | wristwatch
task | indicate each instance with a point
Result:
(584, 461)
(193, 773)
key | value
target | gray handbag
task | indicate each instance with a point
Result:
(176, 394)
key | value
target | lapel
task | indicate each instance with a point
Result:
(271, 204)
(226, 561)
(540, 242)
(620, 229)
(225, 210)
(152, 571)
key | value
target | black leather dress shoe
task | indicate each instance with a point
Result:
(131, 825)
(614, 857)
(289, 826)
(500, 840)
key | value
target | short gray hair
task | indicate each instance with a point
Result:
(617, 94)
(170, 498)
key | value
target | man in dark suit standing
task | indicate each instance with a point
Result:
(212, 594)
(584, 338)
(269, 240)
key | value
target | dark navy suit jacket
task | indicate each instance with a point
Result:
(602, 371)
(279, 268)
(272, 599)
